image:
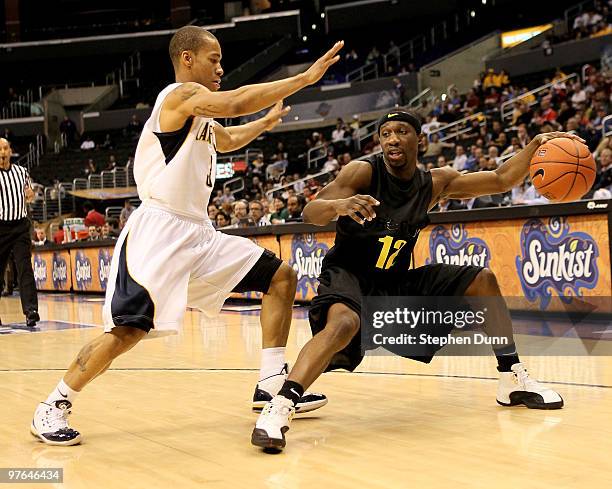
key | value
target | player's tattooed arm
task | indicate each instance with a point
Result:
(342, 197)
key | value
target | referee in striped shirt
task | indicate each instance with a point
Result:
(15, 234)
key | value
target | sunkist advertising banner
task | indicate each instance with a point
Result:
(51, 269)
(539, 259)
(90, 268)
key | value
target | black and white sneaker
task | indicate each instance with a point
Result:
(50, 424)
(516, 387)
(267, 388)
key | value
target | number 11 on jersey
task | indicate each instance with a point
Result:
(384, 260)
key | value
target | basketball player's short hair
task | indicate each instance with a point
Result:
(188, 38)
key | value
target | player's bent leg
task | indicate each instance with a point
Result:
(342, 325)
(515, 386)
(276, 312)
(50, 421)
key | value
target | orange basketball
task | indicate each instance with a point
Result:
(562, 170)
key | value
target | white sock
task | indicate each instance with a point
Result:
(272, 362)
(62, 392)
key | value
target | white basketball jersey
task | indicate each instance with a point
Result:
(176, 170)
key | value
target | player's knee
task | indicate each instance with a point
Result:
(126, 337)
(284, 281)
(343, 328)
(485, 283)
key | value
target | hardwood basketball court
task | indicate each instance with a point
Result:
(175, 412)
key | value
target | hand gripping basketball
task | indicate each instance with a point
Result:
(562, 168)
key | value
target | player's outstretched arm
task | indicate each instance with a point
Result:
(341, 197)
(455, 185)
(194, 99)
(236, 137)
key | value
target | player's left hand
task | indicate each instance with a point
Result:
(275, 115)
(547, 136)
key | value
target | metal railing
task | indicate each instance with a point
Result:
(32, 157)
(21, 106)
(315, 154)
(420, 44)
(235, 185)
(504, 108)
(460, 127)
(366, 72)
(272, 192)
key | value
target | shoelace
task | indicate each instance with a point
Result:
(524, 379)
(277, 408)
(59, 418)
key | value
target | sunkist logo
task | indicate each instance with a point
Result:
(40, 270)
(553, 258)
(82, 270)
(104, 260)
(454, 247)
(59, 273)
(307, 259)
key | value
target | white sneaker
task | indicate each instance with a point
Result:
(50, 424)
(273, 423)
(267, 388)
(516, 387)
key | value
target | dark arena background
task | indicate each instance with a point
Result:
(79, 80)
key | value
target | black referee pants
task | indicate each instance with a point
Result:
(15, 236)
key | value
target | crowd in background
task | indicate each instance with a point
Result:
(279, 183)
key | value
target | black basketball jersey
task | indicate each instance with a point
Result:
(381, 249)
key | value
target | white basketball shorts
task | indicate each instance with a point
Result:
(164, 262)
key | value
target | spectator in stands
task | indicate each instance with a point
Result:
(308, 194)
(90, 168)
(460, 161)
(257, 214)
(227, 197)
(295, 206)
(6, 133)
(351, 61)
(58, 236)
(579, 96)
(526, 194)
(257, 166)
(222, 219)
(109, 230)
(94, 233)
(604, 174)
(441, 162)
(400, 91)
(435, 147)
(126, 212)
(112, 163)
(68, 128)
(88, 143)
(134, 127)
(280, 211)
(241, 213)
(92, 217)
(523, 135)
(338, 132)
(514, 147)
(331, 164)
(212, 212)
(493, 155)
(108, 142)
(40, 237)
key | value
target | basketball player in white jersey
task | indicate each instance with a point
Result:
(169, 256)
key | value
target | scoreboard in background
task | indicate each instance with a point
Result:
(228, 169)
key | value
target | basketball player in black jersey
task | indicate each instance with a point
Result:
(381, 203)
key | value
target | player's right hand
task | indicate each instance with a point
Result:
(360, 208)
(320, 66)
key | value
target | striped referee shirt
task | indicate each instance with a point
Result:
(12, 193)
